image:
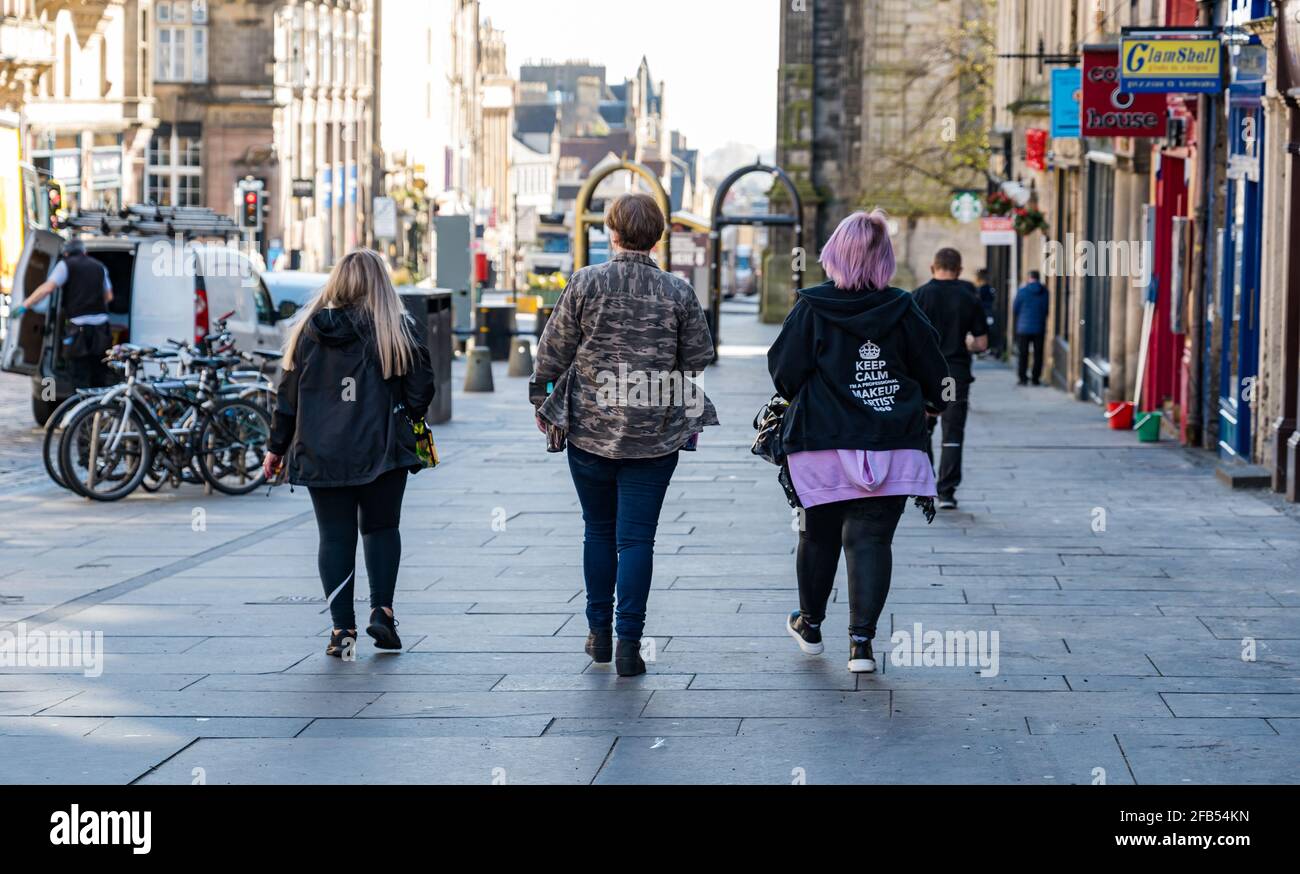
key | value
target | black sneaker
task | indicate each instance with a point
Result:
(807, 636)
(600, 646)
(947, 502)
(341, 641)
(861, 659)
(383, 628)
(627, 660)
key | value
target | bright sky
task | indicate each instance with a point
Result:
(716, 58)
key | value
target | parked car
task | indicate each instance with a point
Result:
(292, 289)
(164, 287)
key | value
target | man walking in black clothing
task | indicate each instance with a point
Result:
(953, 306)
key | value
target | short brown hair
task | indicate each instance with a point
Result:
(638, 221)
(948, 259)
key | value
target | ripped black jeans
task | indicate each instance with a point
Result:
(863, 530)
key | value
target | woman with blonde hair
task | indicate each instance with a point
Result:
(356, 369)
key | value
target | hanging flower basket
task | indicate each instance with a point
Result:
(998, 203)
(1029, 220)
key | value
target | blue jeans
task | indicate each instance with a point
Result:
(621, 500)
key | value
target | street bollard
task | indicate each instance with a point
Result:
(478, 370)
(521, 358)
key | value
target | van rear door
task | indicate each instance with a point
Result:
(162, 293)
(25, 338)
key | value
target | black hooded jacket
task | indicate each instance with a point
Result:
(860, 369)
(336, 417)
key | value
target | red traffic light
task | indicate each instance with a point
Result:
(250, 197)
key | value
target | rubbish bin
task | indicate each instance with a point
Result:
(543, 316)
(494, 327)
(433, 307)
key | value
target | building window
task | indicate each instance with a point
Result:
(182, 40)
(175, 173)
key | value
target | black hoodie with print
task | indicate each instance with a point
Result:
(860, 368)
(336, 416)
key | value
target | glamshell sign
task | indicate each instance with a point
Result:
(1163, 66)
(1108, 111)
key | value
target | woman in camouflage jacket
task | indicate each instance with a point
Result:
(613, 375)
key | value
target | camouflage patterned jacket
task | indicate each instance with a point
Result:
(615, 350)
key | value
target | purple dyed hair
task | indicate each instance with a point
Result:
(859, 254)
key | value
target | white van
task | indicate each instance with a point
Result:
(164, 288)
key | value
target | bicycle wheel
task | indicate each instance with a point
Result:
(53, 434)
(104, 452)
(231, 445)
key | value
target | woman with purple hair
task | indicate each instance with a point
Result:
(862, 368)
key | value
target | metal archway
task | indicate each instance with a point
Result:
(584, 220)
(721, 220)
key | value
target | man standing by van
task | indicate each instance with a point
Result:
(953, 306)
(86, 294)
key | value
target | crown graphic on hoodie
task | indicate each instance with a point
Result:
(869, 351)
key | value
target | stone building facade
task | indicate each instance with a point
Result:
(91, 113)
(326, 112)
(856, 78)
(213, 65)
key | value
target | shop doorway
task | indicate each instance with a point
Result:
(1096, 288)
(1238, 303)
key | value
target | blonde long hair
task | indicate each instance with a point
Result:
(361, 280)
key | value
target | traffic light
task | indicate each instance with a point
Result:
(54, 200)
(251, 214)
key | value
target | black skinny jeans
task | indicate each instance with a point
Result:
(376, 510)
(864, 530)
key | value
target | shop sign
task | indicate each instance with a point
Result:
(997, 230)
(1036, 148)
(1249, 65)
(1162, 66)
(304, 188)
(965, 207)
(106, 166)
(1110, 112)
(1067, 83)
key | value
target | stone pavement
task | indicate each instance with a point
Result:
(1123, 582)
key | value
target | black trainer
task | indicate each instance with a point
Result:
(947, 502)
(809, 637)
(383, 628)
(600, 646)
(341, 641)
(627, 660)
(861, 659)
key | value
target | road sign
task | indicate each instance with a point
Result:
(304, 188)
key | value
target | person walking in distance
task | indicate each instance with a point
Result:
(356, 368)
(953, 307)
(1030, 313)
(862, 368)
(611, 378)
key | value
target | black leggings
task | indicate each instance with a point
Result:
(376, 509)
(864, 530)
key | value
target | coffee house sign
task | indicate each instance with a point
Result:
(1109, 111)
